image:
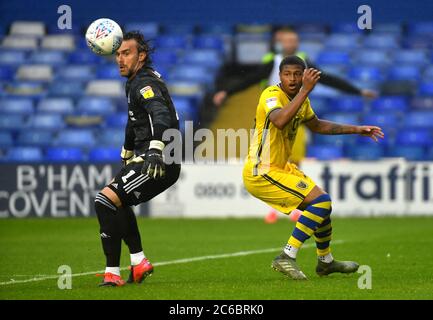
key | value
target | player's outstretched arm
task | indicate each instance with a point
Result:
(327, 127)
(281, 117)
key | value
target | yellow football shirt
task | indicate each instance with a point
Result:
(270, 146)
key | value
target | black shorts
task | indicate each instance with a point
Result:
(134, 188)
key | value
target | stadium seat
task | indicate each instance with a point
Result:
(167, 57)
(112, 137)
(109, 88)
(12, 57)
(204, 57)
(429, 155)
(385, 104)
(24, 154)
(334, 140)
(366, 73)
(343, 27)
(411, 153)
(27, 89)
(58, 42)
(214, 42)
(250, 49)
(372, 57)
(27, 28)
(414, 137)
(422, 103)
(148, 29)
(382, 119)
(366, 152)
(185, 108)
(217, 29)
(76, 72)
(72, 89)
(48, 57)
(418, 119)
(76, 138)
(178, 28)
(412, 57)
(175, 42)
(426, 89)
(192, 73)
(324, 152)
(38, 138)
(349, 118)
(110, 71)
(80, 57)
(19, 42)
(116, 120)
(62, 155)
(6, 73)
(383, 41)
(342, 41)
(388, 28)
(38, 72)
(47, 121)
(406, 72)
(16, 105)
(428, 73)
(12, 121)
(421, 28)
(96, 105)
(333, 57)
(56, 105)
(104, 155)
(6, 139)
(346, 104)
(417, 42)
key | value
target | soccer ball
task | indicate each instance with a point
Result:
(104, 36)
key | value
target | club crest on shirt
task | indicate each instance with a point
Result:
(147, 92)
(302, 185)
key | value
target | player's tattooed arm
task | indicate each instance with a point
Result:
(328, 127)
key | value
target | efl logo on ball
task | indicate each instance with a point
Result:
(104, 36)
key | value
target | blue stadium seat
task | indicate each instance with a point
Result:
(6, 139)
(177, 28)
(24, 154)
(204, 57)
(115, 120)
(84, 56)
(76, 72)
(320, 105)
(16, 105)
(48, 57)
(372, 57)
(12, 57)
(343, 27)
(111, 137)
(428, 73)
(419, 119)
(412, 57)
(162, 69)
(349, 118)
(214, 42)
(333, 57)
(415, 137)
(165, 57)
(185, 109)
(422, 103)
(56, 105)
(104, 155)
(47, 121)
(366, 152)
(76, 138)
(382, 119)
(64, 155)
(412, 153)
(6, 73)
(192, 73)
(96, 105)
(335, 140)
(217, 29)
(72, 89)
(429, 155)
(108, 72)
(324, 152)
(148, 29)
(12, 121)
(342, 41)
(421, 28)
(363, 73)
(405, 72)
(388, 28)
(417, 42)
(394, 103)
(27, 89)
(383, 41)
(38, 138)
(172, 42)
(426, 89)
(346, 104)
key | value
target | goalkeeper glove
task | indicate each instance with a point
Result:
(127, 156)
(153, 164)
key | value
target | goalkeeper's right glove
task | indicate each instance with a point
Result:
(127, 156)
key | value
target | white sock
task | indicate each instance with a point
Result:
(113, 270)
(136, 258)
(327, 259)
(291, 251)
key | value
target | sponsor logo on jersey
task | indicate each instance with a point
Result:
(302, 185)
(147, 92)
(271, 102)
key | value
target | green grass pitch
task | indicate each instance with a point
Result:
(398, 250)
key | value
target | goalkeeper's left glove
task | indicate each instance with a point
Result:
(127, 156)
(153, 164)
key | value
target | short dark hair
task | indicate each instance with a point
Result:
(143, 45)
(293, 60)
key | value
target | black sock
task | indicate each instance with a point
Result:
(111, 238)
(131, 234)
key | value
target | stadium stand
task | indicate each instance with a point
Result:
(51, 85)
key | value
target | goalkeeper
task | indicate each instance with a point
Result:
(144, 175)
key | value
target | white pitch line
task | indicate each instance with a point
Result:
(166, 263)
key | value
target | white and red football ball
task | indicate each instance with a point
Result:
(104, 36)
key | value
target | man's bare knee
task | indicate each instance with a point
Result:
(314, 193)
(110, 194)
